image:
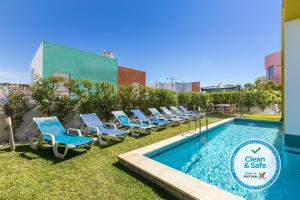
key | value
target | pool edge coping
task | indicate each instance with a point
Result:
(179, 184)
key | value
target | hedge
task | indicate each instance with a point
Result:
(102, 98)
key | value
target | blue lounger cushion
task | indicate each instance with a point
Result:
(141, 116)
(108, 131)
(158, 122)
(125, 121)
(92, 119)
(51, 125)
(143, 126)
(70, 139)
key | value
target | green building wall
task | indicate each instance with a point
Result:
(78, 64)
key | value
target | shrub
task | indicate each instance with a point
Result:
(195, 102)
(184, 98)
(249, 99)
(105, 99)
(218, 97)
(145, 98)
(52, 102)
(15, 108)
(192, 100)
(85, 91)
(165, 98)
(102, 98)
(262, 99)
(127, 98)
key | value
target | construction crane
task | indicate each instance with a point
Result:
(172, 79)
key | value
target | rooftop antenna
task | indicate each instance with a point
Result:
(172, 79)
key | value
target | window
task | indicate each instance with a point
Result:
(270, 72)
(32, 75)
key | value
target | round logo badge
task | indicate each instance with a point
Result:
(255, 164)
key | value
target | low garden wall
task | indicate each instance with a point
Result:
(3, 132)
(27, 128)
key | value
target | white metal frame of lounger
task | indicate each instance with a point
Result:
(178, 112)
(100, 134)
(189, 112)
(171, 122)
(181, 120)
(155, 127)
(135, 131)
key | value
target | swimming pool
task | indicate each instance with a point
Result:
(209, 162)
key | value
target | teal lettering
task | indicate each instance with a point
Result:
(258, 165)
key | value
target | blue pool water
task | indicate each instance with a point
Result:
(209, 162)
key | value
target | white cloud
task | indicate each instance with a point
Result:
(14, 76)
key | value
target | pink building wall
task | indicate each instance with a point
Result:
(274, 59)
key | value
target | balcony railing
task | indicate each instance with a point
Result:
(275, 78)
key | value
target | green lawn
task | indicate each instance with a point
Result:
(262, 116)
(95, 174)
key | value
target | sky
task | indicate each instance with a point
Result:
(213, 41)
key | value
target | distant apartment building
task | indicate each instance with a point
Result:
(177, 86)
(23, 89)
(57, 60)
(11, 88)
(4, 91)
(273, 67)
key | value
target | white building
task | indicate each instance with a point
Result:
(4, 91)
(177, 86)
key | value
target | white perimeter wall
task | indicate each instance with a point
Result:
(36, 66)
(178, 87)
(183, 87)
(292, 77)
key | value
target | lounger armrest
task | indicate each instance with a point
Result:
(74, 130)
(153, 118)
(117, 123)
(49, 135)
(160, 118)
(137, 121)
(110, 125)
(93, 127)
